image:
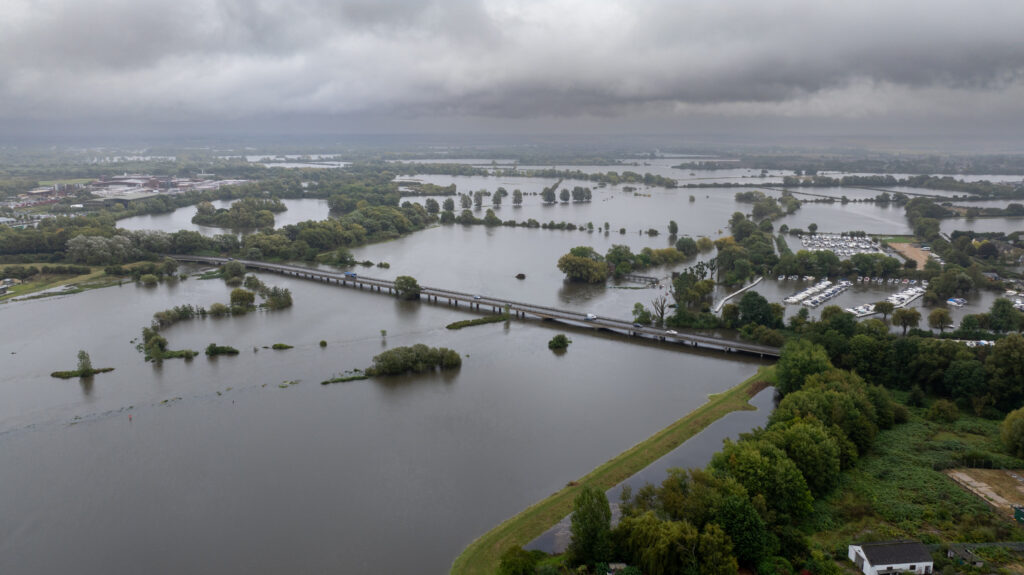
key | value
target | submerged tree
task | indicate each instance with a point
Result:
(84, 364)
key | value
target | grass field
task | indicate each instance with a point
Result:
(483, 555)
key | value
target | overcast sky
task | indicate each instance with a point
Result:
(587, 66)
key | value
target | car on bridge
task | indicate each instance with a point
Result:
(478, 297)
(350, 274)
(589, 317)
(672, 332)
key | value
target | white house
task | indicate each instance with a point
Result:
(891, 557)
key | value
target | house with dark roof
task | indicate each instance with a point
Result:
(891, 557)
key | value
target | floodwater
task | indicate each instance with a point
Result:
(225, 466)
(984, 225)
(299, 210)
(695, 453)
(235, 474)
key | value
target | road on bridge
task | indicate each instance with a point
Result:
(519, 309)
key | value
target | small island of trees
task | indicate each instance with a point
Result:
(245, 213)
(85, 368)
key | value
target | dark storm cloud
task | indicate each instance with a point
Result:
(167, 59)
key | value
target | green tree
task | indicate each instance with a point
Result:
(687, 245)
(754, 308)
(716, 550)
(1005, 367)
(406, 287)
(564, 195)
(812, 449)
(1003, 317)
(885, 308)
(641, 314)
(432, 206)
(799, 359)
(752, 541)
(1011, 431)
(764, 469)
(449, 205)
(591, 528)
(84, 364)
(673, 228)
(242, 298)
(939, 319)
(906, 317)
(583, 264)
(517, 197)
(813, 228)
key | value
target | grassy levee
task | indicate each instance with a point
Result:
(482, 556)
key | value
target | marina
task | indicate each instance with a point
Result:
(841, 245)
(819, 293)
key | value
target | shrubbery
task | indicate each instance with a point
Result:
(418, 358)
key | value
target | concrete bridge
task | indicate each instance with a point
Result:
(497, 305)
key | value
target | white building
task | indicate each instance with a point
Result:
(891, 557)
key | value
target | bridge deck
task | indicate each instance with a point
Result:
(518, 309)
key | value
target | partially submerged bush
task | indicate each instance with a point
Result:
(417, 359)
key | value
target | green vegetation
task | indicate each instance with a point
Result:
(495, 318)
(244, 213)
(214, 350)
(483, 555)
(591, 528)
(559, 343)
(281, 346)
(354, 375)
(584, 264)
(43, 277)
(85, 368)
(406, 287)
(414, 359)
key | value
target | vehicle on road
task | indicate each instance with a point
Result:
(672, 332)
(590, 317)
(478, 297)
(350, 274)
(636, 324)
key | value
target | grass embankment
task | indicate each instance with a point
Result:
(483, 555)
(478, 321)
(41, 282)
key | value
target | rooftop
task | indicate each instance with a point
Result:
(896, 552)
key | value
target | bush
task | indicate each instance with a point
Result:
(518, 561)
(417, 359)
(281, 346)
(559, 343)
(214, 349)
(944, 410)
(148, 279)
(900, 414)
(323, 343)
(1012, 432)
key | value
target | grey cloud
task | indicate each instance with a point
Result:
(196, 59)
